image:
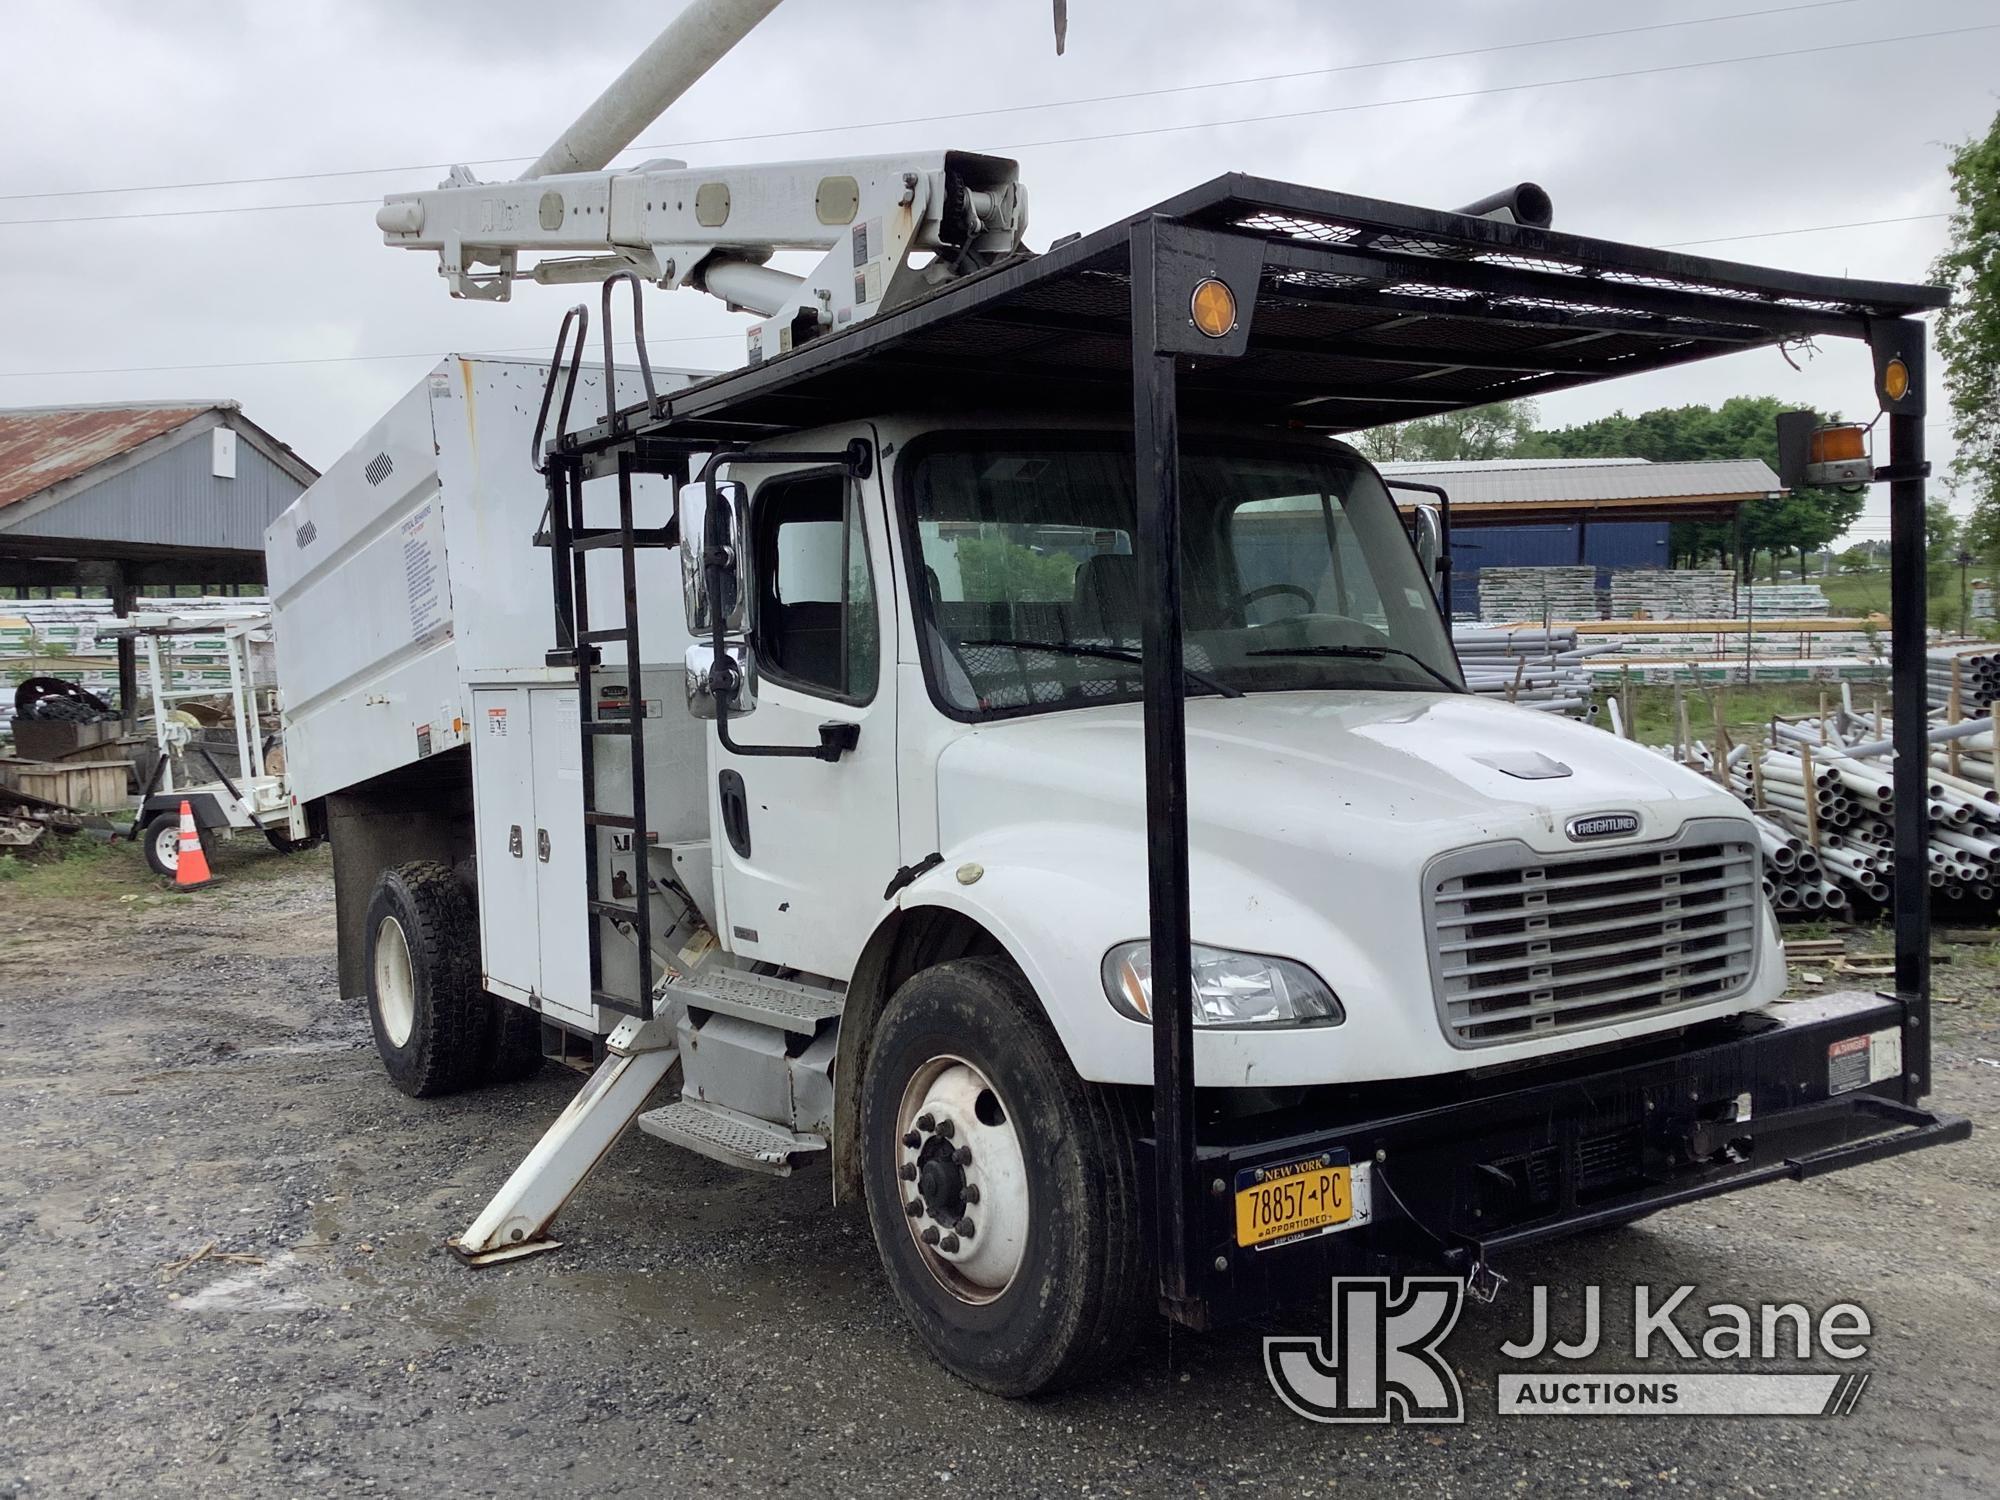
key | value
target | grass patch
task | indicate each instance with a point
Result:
(78, 867)
(1744, 709)
(82, 868)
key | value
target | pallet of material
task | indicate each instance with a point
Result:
(84, 785)
(1672, 593)
(1535, 593)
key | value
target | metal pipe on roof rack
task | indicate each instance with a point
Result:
(1523, 203)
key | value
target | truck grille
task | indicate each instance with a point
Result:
(1525, 945)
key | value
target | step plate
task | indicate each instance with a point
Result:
(754, 997)
(724, 1136)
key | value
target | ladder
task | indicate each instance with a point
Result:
(580, 642)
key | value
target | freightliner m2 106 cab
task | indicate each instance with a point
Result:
(1002, 744)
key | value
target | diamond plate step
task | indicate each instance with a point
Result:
(782, 1003)
(725, 1136)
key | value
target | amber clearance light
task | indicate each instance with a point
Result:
(1213, 308)
(1837, 456)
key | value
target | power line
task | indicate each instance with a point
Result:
(1504, 88)
(1772, 234)
(1298, 114)
(1007, 109)
(198, 213)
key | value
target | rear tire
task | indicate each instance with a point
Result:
(513, 1042)
(1054, 1176)
(425, 1006)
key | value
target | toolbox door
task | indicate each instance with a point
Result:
(503, 798)
(561, 933)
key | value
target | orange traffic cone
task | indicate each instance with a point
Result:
(191, 868)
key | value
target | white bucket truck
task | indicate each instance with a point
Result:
(1002, 743)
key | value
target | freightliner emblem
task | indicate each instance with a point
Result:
(1602, 826)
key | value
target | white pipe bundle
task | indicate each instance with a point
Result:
(1532, 666)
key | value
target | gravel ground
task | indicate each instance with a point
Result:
(180, 1073)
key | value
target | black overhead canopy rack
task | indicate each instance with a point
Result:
(1350, 312)
(1365, 312)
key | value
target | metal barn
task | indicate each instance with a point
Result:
(138, 495)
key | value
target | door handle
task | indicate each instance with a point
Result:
(514, 840)
(542, 844)
(735, 803)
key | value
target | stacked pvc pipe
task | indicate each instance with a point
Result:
(1978, 671)
(1534, 666)
(1823, 799)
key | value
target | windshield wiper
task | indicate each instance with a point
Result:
(1361, 653)
(1109, 653)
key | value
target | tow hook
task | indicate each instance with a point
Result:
(1483, 1283)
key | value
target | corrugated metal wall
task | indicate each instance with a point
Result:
(172, 499)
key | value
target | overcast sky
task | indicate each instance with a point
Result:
(135, 95)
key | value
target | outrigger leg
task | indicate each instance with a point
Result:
(638, 1054)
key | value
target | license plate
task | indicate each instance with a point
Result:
(1298, 1199)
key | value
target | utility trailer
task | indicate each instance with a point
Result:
(1052, 800)
(257, 798)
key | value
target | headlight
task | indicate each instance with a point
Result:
(1230, 989)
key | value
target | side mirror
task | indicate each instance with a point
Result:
(1427, 531)
(713, 515)
(731, 677)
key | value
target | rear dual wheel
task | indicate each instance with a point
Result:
(436, 1029)
(1000, 1186)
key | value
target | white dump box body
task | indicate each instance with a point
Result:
(413, 612)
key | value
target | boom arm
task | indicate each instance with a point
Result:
(714, 229)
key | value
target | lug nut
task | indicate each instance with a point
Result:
(908, 1171)
(946, 1129)
(913, 1139)
(963, 1156)
(949, 1243)
(926, 1122)
(971, 1193)
(930, 1234)
(914, 1207)
(964, 1227)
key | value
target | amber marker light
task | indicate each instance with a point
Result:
(1213, 308)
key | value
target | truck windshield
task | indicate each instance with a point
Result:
(1296, 575)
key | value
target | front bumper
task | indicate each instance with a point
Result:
(1463, 1171)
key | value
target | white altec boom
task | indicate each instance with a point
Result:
(1069, 638)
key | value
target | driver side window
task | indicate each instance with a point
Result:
(815, 625)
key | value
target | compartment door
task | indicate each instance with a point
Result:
(562, 933)
(503, 796)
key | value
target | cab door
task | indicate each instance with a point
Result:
(805, 847)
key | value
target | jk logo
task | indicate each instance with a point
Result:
(1381, 1363)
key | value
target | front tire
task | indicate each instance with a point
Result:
(425, 1004)
(972, 1116)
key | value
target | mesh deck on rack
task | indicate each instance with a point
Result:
(1365, 312)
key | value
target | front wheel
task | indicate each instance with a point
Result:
(1001, 1187)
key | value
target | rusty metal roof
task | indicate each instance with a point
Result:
(41, 446)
